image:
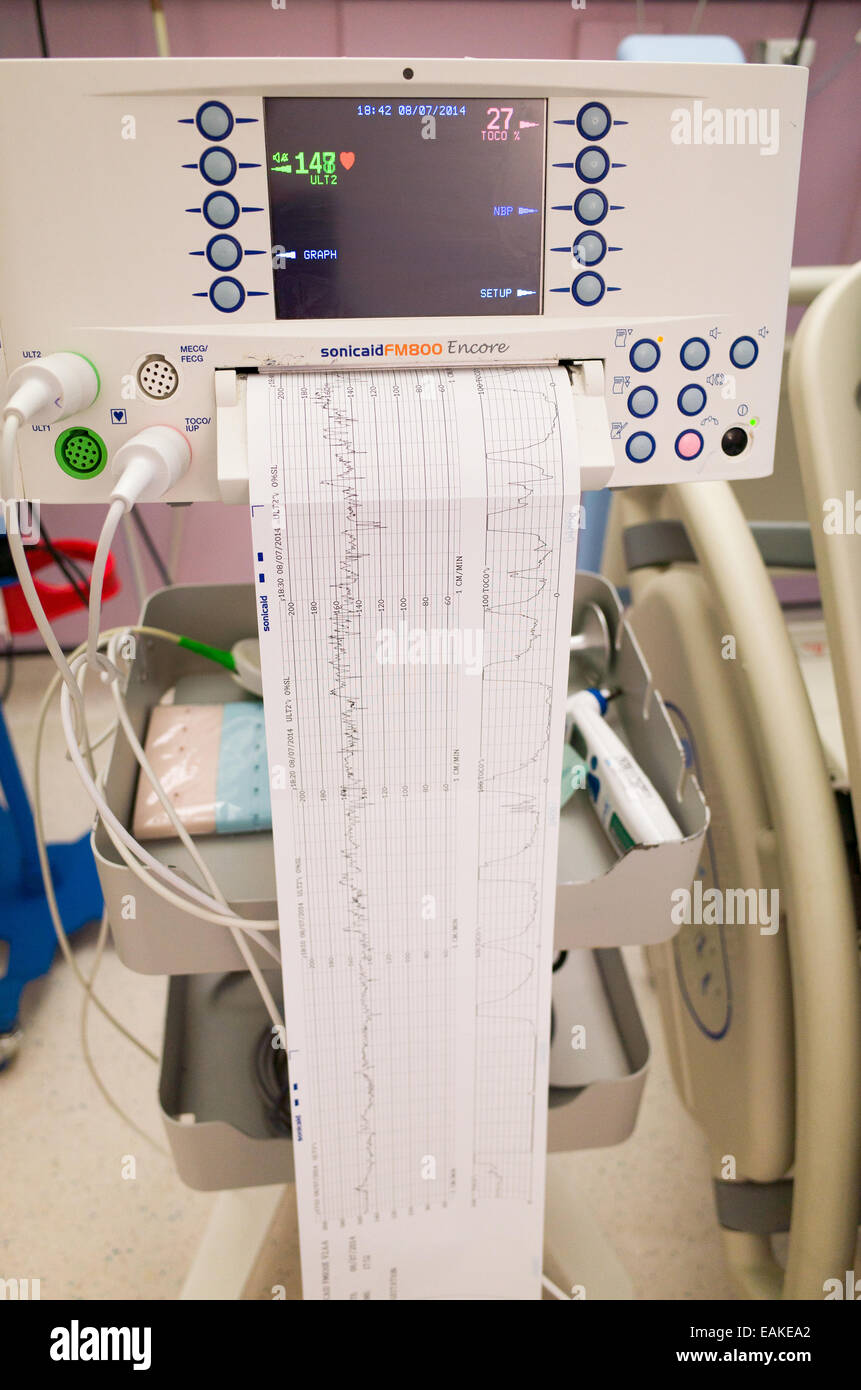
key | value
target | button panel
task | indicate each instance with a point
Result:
(703, 423)
(672, 387)
(581, 161)
(220, 165)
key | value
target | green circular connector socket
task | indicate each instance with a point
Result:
(81, 453)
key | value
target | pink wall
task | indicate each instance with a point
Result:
(828, 230)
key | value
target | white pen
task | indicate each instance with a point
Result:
(628, 806)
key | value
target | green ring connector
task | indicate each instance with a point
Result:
(92, 364)
(81, 452)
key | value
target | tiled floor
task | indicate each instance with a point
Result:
(76, 1220)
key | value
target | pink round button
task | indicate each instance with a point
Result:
(689, 444)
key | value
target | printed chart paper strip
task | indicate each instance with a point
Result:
(414, 540)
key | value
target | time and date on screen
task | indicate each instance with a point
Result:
(394, 209)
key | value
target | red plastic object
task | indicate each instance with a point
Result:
(56, 599)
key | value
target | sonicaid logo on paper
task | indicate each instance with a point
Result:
(714, 125)
(77, 1343)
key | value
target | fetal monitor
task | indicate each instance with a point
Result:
(176, 220)
(406, 312)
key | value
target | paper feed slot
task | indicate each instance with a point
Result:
(590, 410)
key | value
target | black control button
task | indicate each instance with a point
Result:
(734, 441)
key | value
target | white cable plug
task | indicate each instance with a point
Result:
(50, 388)
(144, 468)
(39, 393)
(149, 464)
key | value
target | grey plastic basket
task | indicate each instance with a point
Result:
(596, 890)
(215, 1116)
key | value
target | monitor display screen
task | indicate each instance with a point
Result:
(396, 208)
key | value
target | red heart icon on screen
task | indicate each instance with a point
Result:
(347, 158)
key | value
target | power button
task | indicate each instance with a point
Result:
(734, 441)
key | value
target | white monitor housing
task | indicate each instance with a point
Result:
(635, 218)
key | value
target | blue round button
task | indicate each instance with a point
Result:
(692, 400)
(593, 120)
(224, 252)
(640, 447)
(214, 120)
(217, 165)
(227, 294)
(592, 164)
(743, 352)
(694, 354)
(588, 288)
(644, 355)
(589, 248)
(590, 207)
(221, 209)
(643, 402)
